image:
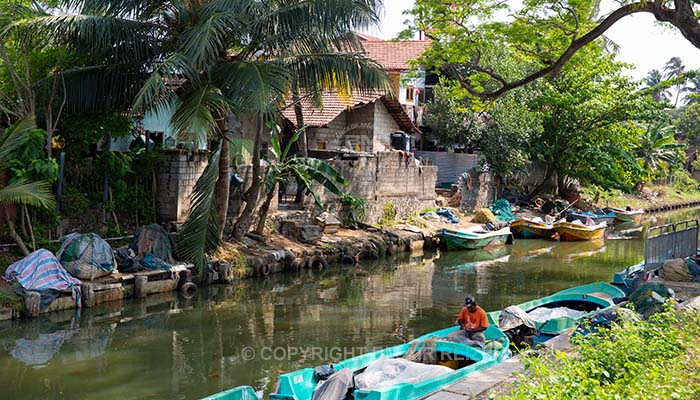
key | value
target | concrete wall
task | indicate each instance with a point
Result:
(386, 178)
(450, 165)
(478, 190)
(366, 128)
(175, 180)
(384, 126)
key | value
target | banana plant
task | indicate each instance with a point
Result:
(306, 171)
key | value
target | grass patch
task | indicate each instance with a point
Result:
(389, 215)
(643, 360)
(227, 252)
(666, 195)
(8, 299)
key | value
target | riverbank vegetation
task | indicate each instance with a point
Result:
(531, 89)
(585, 120)
(645, 360)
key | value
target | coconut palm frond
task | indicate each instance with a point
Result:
(111, 37)
(200, 233)
(339, 71)
(164, 81)
(30, 193)
(252, 85)
(14, 137)
(198, 112)
(203, 43)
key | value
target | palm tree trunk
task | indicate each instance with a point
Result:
(299, 113)
(13, 233)
(251, 196)
(223, 186)
(262, 214)
(303, 148)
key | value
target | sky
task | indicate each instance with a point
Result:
(642, 42)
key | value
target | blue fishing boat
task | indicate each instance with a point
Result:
(598, 218)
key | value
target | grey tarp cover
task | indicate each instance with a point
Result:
(153, 239)
(86, 256)
(387, 371)
(335, 387)
(512, 317)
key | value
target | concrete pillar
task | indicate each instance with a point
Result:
(88, 295)
(140, 282)
(32, 302)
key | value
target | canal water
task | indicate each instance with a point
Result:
(167, 347)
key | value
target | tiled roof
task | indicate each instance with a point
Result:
(334, 105)
(395, 55)
(367, 38)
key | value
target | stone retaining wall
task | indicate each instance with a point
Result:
(383, 179)
(175, 180)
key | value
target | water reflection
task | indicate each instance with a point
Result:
(169, 347)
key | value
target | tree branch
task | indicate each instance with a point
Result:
(682, 17)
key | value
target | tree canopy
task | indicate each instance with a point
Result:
(542, 34)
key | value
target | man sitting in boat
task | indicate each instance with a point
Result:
(472, 320)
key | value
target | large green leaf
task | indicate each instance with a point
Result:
(198, 113)
(199, 236)
(30, 193)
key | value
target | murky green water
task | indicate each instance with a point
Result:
(166, 347)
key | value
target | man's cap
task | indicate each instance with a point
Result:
(469, 301)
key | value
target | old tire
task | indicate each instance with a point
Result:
(295, 265)
(317, 263)
(371, 254)
(265, 269)
(188, 290)
(347, 259)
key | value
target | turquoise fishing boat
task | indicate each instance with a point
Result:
(587, 299)
(473, 238)
(237, 393)
(300, 385)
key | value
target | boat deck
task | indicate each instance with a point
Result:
(484, 383)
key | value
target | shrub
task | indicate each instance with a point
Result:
(642, 360)
(389, 215)
(683, 182)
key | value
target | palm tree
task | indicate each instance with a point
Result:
(208, 59)
(675, 68)
(658, 150)
(304, 170)
(693, 90)
(652, 81)
(20, 191)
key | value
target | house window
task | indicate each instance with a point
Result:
(321, 145)
(410, 94)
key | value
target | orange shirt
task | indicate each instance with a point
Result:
(473, 320)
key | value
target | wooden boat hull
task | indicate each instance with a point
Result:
(574, 232)
(300, 385)
(531, 230)
(597, 218)
(466, 240)
(629, 218)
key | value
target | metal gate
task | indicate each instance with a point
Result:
(669, 241)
